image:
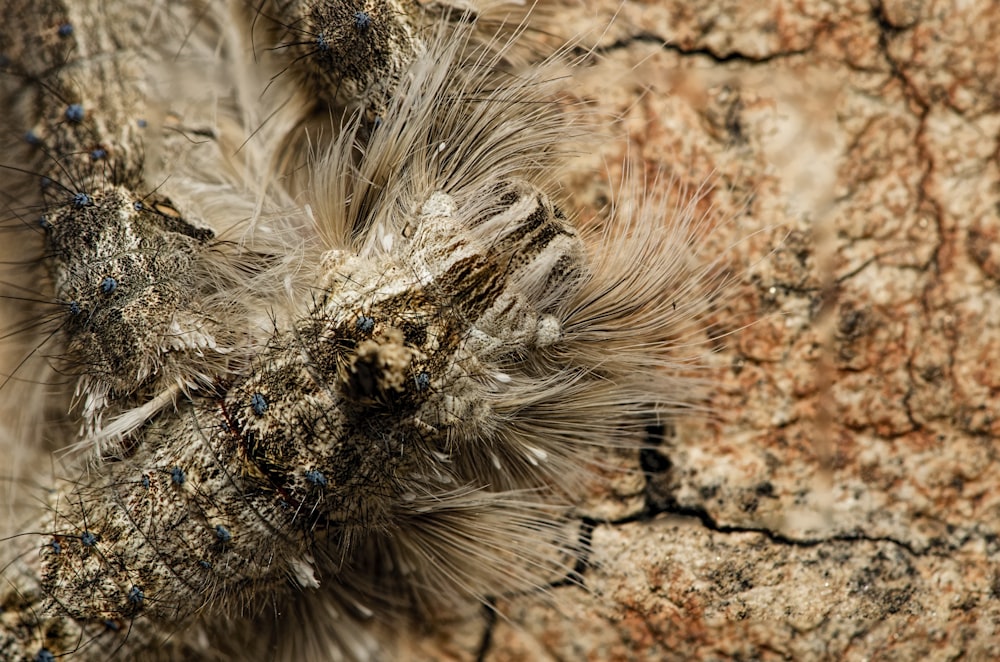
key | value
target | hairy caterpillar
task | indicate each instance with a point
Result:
(353, 369)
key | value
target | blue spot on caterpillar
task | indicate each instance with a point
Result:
(177, 476)
(75, 113)
(136, 596)
(316, 478)
(362, 21)
(423, 381)
(258, 403)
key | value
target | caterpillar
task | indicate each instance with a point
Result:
(319, 348)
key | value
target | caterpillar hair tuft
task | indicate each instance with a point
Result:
(305, 341)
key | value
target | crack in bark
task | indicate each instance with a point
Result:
(705, 51)
(575, 577)
(486, 640)
(709, 522)
(924, 199)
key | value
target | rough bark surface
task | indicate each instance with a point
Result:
(845, 501)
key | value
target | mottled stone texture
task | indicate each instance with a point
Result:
(845, 501)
